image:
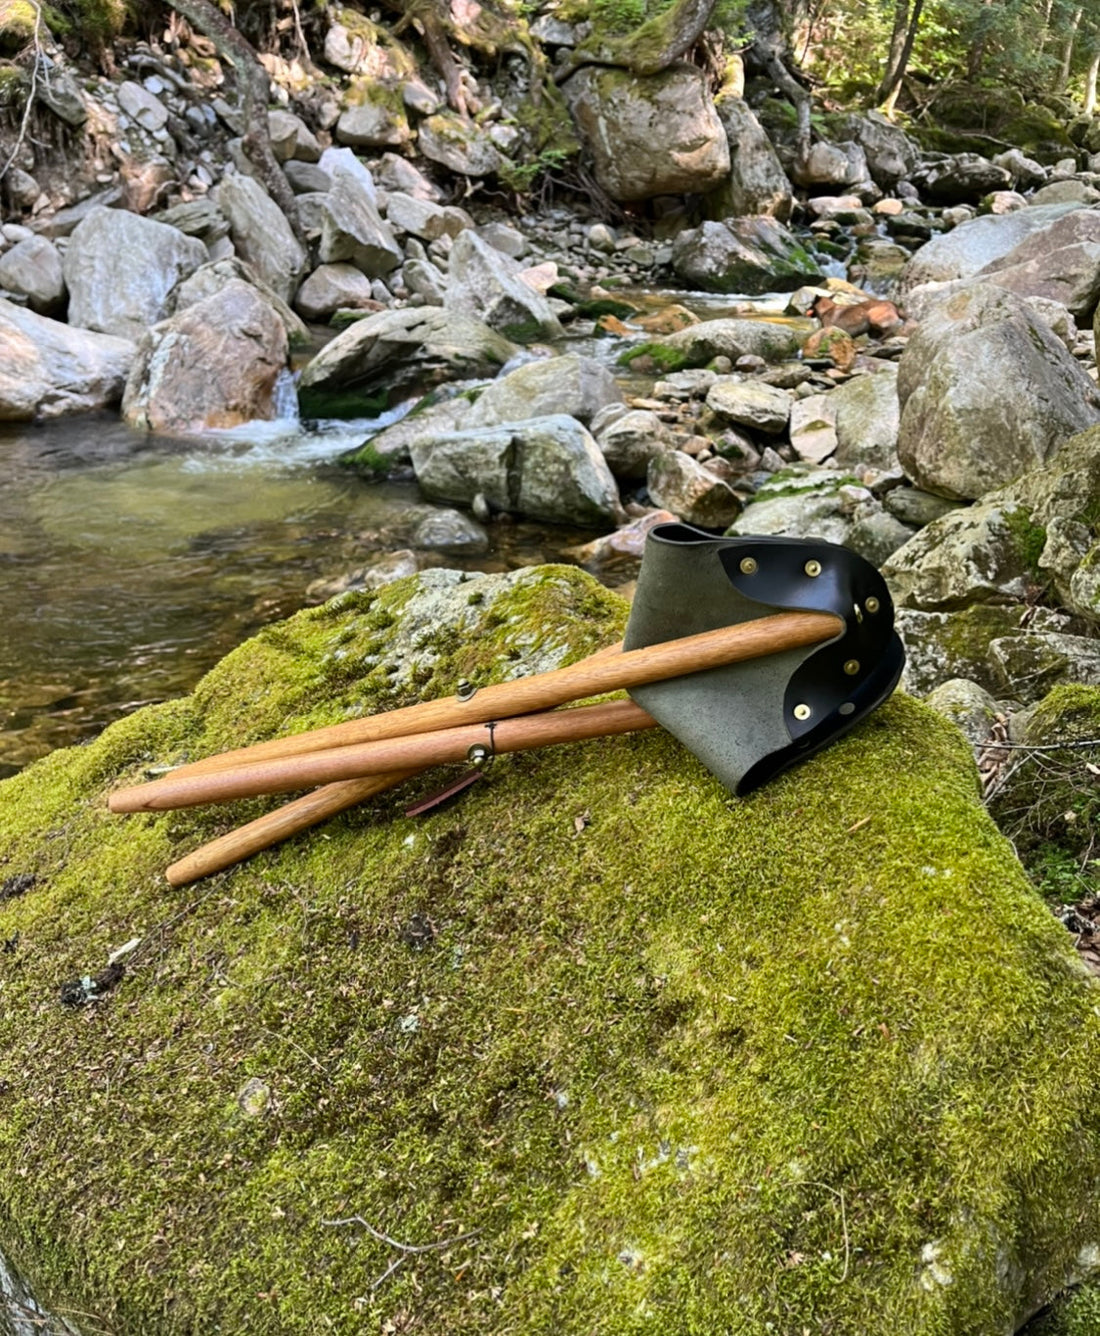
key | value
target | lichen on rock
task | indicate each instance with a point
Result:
(617, 1051)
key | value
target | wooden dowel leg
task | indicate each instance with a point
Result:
(280, 825)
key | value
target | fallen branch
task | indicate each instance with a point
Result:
(20, 138)
(406, 1250)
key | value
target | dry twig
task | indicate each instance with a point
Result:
(406, 1250)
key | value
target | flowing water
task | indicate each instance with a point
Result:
(131, 564)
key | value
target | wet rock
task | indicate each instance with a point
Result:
(332, 287)
(745, 255)
(391, 352)
(120, 270)
(649, 135)
(261, 234)
(376, 574)
(50, 369)
(676, 482)
(734, 338)
(213, 365)
(547, 468)
(389, 448)
(210, 279)
(619, 554)
(986, 392)
(484, 283)
(579, 387)
(451, 532)
(32, 269)
(750, 403)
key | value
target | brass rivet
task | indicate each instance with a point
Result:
(812, 568)
(748, 565)
(479, 756)
(802, 712)
(852, 667)
(871, 604)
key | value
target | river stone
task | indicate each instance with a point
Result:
(452, 532)
(634, 1070)
(389, 448)
(649, 135)
(801, 503)
(353, 230)
(386, 354)
(943, 645)
(546, 468)
(333, 287)
(1061, 263)
(973, 245)
(986, 392)
(213, 365)
(460, 145)
(912, 506)
(261, 234)
(677, 483)
(32, 269)
(49, 369)
(426, 220)
(423, 279)
(832, 165)
(744, 255)
(750, 403)
(484, 283)
(211, 278)
(120, 270)
(757, 183)
(969, 707)
(631, 440)
(733, 338)
(1025, 172)
(577, 386)
(813, 427)
(617, 557)
(1067, 192)
(867, 419)
(141, 106)
(377, 122)
(890, 154)
(960, 178)
(1027, 666)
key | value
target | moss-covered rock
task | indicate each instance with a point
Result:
(617, 1052)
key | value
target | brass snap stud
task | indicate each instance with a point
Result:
(812, 567)
(479, 756)
(465, 691)
(852, 667)
(802, 712)
(871, 604)
(748, 565)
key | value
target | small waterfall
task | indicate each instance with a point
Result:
(285, 397)
(20, 1312)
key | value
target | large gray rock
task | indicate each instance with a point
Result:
(750, 403)
(332, 287)
(1041, 531)
(261, 234)
(806, 504)
(695, 495)
(1061, 263)
(577, 386)
(120, 270)
(891, 155)
(867, 419)
(987, 391)
(631, 440)
(941, 646)
(838, 166)
(961, 178)
(213, 365)
(379, 121)
(211, 278)
(546, 468)
(649, 135)
(392, 352)
(734, 338)
(462, 146)
(745, 255)
(32, 269)
(49, 369)
(973, 245)
(757, 183)
(425, 220)
(353, 231)
(484, 283)
(291, 138)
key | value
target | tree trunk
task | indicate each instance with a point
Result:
(255, 86)
(901, 48)
(1067, 50)
(770, 51)
(657, 44)
(1090, 82)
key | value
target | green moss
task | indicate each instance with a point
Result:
(660, 1059)
(1028, 538)
(384, 93)
(662, 357)
(1077, 1315)
(314, 403)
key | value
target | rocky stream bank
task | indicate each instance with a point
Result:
(602, 1046)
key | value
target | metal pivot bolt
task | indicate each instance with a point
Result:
(812, 567)
(852, 667)
(748, 565)
(802, 712)
(871, 604)
(465, 691)
(479, 756)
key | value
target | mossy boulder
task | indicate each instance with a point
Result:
(617, 1052)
